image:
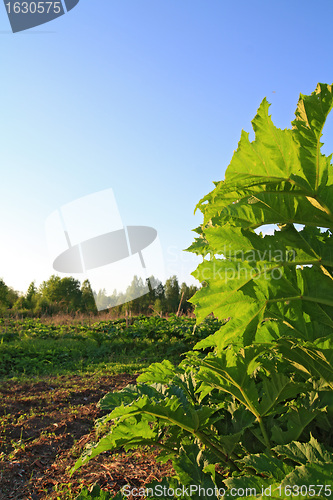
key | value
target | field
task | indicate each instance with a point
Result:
(252, 412)
(52, 377)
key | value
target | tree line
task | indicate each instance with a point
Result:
(67, 295)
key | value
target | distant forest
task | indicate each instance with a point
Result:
(67, 295)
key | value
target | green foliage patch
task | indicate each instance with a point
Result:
(31, 347)
(251, 405)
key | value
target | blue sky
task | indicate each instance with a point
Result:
(147, 97)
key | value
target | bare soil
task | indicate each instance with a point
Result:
(44, 427)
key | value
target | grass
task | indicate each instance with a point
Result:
(32, 348)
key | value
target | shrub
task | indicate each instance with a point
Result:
(251, 405)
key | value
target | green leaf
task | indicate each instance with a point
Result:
(95, 493)
(232, 373)
(307, 359)
(311, 114)
(313, 474)
(158, 372)
(303, 453)
(164, 489)
(170, 411)
(250, 486)
(127, 395)
(190, 471)
(243, 406)
(280, 168)
(296, 419)
(266, 465)
(278, 388)
(261, 284)
(131, 433)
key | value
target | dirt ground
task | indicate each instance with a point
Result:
(44, 427)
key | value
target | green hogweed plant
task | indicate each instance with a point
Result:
(252, 405)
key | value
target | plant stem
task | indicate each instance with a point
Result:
(218, 450)
(264, 432)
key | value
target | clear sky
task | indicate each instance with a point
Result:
(148, 98)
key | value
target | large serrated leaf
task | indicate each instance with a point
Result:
(274, 293)
(303, 453)
(251, 487)
(280, 178)
(266, 465)
(278, 388)
(131, 433)
(158, 373)
(190, 472)
(308, 359)
(295, 420)
(313, 474)
(129, 394)
(232, 373)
